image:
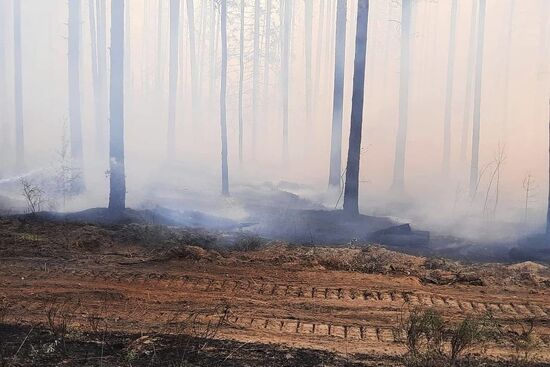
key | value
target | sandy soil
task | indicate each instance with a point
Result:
(272, 295)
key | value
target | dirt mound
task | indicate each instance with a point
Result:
(528, 266)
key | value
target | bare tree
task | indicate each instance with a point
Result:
(33, 194)
(117, 197)
(338, 97)
(528, 187)
(477, 97)
(173, 75)
(351, 190)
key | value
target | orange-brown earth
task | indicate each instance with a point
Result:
(149, 280)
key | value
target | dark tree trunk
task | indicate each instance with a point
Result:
(18, 89)
(401, 140)
(449, 92)
(351, 191)
(338, 99)
(474, 168)
(173, 75)
(223, 92)
(117, 197)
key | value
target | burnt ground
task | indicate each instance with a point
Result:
(80, 294)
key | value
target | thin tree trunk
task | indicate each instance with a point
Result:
(173, 75)
(338, 98)
(75, 118)
(117, 196)
(193, 57)
(102, 98)
(241, 81)
(474, 167)
(308, 47)
(5, 140)
(351, 190)
(267, 48)
(223, 92)
(255, 74)
(159, 68)
(285, 66)
(449, 92)
(401, 140)
(469, 83)
(18, 88)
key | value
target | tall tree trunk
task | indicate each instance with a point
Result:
(99, 70)
(285, 66)
(255, 74)
(18, 88)
(474, 167)
(449, 92)
(193, 57)
(159, 67)
(241, 81)
(223, 92)
(338, 98)
(5, 140)
(308, 47)
(469, 83)
(117, 196)
(401, 140)
(75, 118)
(173, 75)
(351, 190)
(102, 108)
(267, 49)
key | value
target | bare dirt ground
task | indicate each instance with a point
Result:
(118, 295)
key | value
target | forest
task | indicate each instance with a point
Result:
(275, 183)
